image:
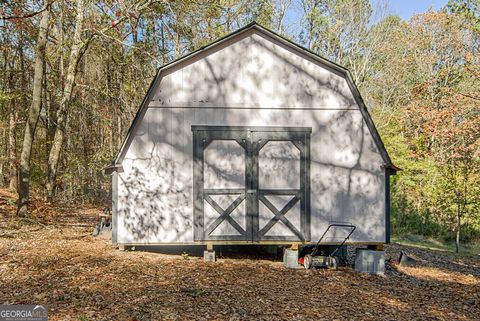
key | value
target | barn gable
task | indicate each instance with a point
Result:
(199, 80)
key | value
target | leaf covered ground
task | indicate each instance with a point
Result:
(81, 277)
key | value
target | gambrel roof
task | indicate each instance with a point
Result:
(268, 34)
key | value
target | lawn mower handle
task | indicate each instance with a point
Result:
(353, 228)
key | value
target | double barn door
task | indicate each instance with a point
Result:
(251, 183)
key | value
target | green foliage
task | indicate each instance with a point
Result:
(423, 242)
(410, 211)
(469, 9)
(84, 318)
(262, 12)
(434, 132)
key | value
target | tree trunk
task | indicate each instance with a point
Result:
(457, 237)
(33, 114)
(12, 150)
(75, 56)
(12, 128)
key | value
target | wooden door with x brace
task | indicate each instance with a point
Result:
(251, 183)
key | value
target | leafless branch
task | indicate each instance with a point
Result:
(29, 15)
(470, 96)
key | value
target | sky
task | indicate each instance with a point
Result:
(402, 8)
(407, 8)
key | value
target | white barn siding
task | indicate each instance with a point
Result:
(254, 73)
(255, 81)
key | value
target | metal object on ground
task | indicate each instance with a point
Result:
(370, 261)
(209, 256)
(320, 261)
(104, 224)
(290, 258)
(330, 261)
(406, 260)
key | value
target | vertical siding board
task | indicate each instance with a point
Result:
(114, 207)
(198, 223)
(254, 171)
(387, 206)
(307, 223)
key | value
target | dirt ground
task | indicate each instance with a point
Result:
(54, 260)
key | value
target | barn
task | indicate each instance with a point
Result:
(251, 139)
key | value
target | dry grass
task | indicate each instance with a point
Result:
(83, 278)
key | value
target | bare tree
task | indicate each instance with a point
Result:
(75, 56)
(9, 83)
(12, 147)
(78, 49)
(33, 114)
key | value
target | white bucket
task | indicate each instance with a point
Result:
(290, 258)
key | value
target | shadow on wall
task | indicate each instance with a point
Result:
(155, 198)
(154, 203)
(253, 72)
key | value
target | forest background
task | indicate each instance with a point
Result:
(73, 74)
